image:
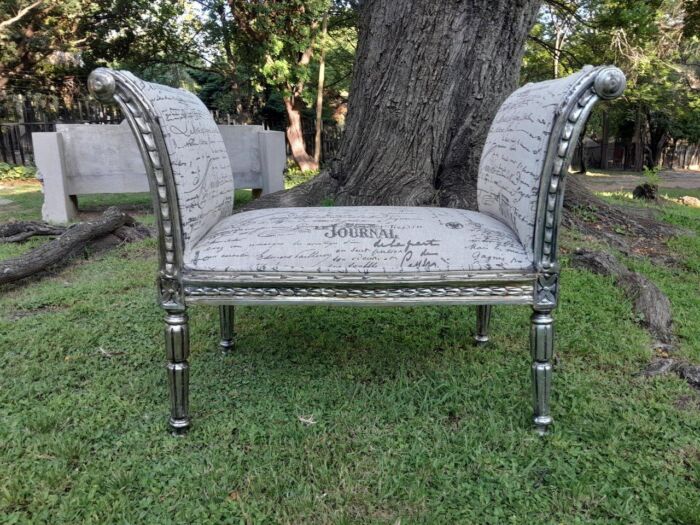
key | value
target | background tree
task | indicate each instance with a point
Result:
(49, 46)
(657, 46)
(37, 37)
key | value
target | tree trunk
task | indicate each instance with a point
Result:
(658, 138)
(604, 143)
(558, 45)
(638, 141)
(295, 136)
(672, 161)
(427, 82)
(319, 93)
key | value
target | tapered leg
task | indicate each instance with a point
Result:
(177, 349)
(542, 347)
(483, 318)
(227, 333)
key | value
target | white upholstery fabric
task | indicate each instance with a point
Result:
(514, 154)
(200, 164)
(358, 239)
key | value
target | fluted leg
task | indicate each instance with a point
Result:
(483, 318)
(177, 349)
(227, 333)
(542, 347)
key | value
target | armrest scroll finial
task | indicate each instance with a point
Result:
(609, 83)
(102, 85)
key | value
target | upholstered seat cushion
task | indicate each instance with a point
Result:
(358, 239)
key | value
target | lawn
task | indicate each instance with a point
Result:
(332, 415)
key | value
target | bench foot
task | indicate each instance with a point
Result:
(226, 318)
(483, 318)
(177, 350)
(542, 348)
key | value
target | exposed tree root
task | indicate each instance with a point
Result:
(653, 307)
(667, 365)
(650, 303)
(113, 227)
(310, 193)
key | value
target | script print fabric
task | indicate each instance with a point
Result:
(514, 153)
(200, 164)
(365, 239)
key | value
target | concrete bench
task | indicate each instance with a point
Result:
(87, 159)
(505, 253)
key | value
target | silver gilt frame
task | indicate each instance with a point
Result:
(178, 287)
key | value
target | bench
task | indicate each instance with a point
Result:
(505, 253)
(87, 159)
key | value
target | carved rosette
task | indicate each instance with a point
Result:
(171, 293)
(546, 290)
(114, 86)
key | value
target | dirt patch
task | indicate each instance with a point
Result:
(619, 181)
(90, 213)
(688, 402)
(22, 314)
(31, 183)
(634, 231)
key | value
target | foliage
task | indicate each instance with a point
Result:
(652, 175)
(245, 57)
(37, 37)
(49, 46)
(653, 42)
(410, 422)
(16, 172)
(293, 175)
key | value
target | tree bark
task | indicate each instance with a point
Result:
(295, 136)
(427, 82)
(75, 238)
(22, 230)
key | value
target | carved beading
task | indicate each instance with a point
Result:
(114, 86)
(360, 293)
(559, 168)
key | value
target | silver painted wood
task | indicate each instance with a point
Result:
(483, 319)
(179, 287)
(226, 321)
(542, 349)
(177, 350)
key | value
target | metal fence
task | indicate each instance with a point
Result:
(16, 141)
(330, 142)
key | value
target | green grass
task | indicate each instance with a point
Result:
(411, 421)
